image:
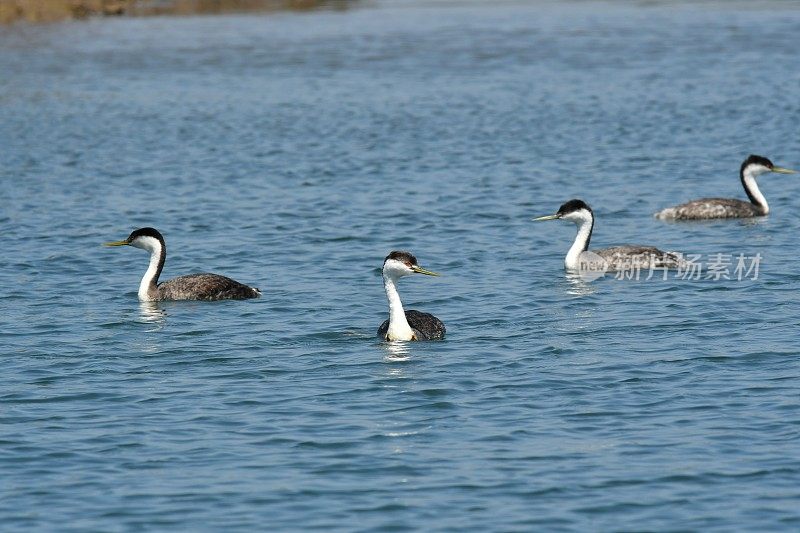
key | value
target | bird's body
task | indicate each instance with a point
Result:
(404, 325)
(204, 286)
(189, 287)
(712, 208)
(616, 258)
(629, 257)
(716, 208)
(424, 326)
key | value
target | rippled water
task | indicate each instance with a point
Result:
(293, 152)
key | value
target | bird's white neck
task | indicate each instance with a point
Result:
(585, 222)
(148, 288)
(751, 187)
(399, 330)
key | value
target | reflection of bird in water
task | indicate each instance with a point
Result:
(708, 208)
(397, 352)
(615, 258)
(577, 284)
(406, 325)
(190, 287)
(151, 313)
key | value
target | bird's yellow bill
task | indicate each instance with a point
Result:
(781, 170)
(420, 270)
(116, 243)
(546, 217)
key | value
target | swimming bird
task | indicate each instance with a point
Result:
(709, 208)
(190, 287)
(616, 258)
(406, 325)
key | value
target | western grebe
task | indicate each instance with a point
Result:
(615, 258)
(708, 208)
(406, 325)
(190, 287)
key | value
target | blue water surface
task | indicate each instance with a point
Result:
(293, 152)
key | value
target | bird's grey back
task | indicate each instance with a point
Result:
(426, 327)
(205, 287)
(633, 256)
(709, 208)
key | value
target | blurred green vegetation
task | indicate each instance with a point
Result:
(54, 10)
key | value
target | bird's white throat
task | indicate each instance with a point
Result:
(399, 330)
(584, 220)
(147, 287)
(751, 187)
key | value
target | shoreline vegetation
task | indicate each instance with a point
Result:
(56, 10)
